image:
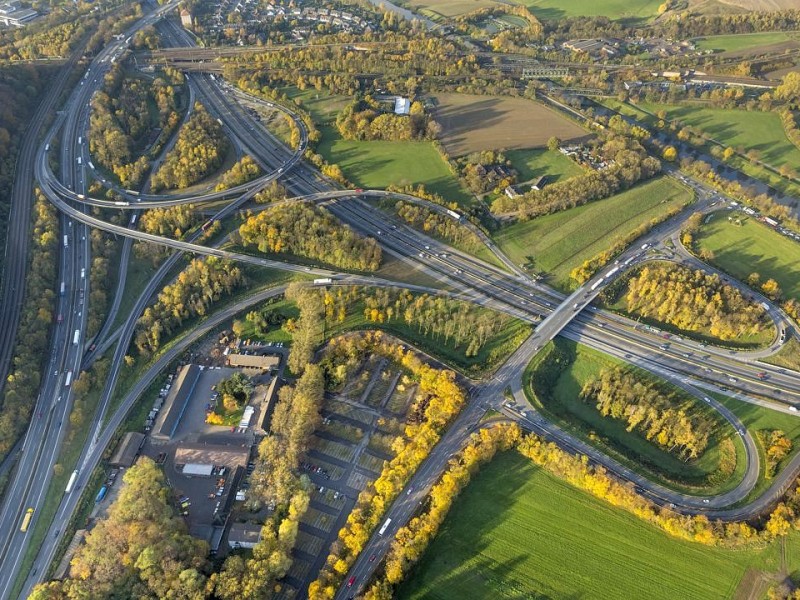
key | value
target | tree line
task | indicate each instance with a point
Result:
(411, 540)
(21, 88)
(198, 152)
(627, 163)
(693, 301)
(704, 172)
(461, 326)
(32, 342)
(311, 232)
(458, 324)
(103, 250)
(296, 416)
(668, 419)
(203, 283)
(439, 399)
(401, 68)
(367, 119)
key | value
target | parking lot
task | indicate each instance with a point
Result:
(348, 453)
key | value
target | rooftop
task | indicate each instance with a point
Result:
(176, 402)
(127, 450)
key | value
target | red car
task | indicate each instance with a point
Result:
(351, 582)
(372, 558)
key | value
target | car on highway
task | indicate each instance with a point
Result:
(372, 558)
(351, 581)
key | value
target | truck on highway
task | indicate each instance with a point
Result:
(323, 281)
(68, 380)
(120, 203)
(26, 520)
(71, 483)
(63, 288)
(66, 241)
(385, 526)
(76, 337)
(79, 160)
(207, 224)
(83, 272)
(596, 284)
(765, 306)
(101, 494)
(454, 214)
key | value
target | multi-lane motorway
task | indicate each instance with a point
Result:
(686, 363)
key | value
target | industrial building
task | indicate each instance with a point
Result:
(12, 14)
(128, 450)
(175, 403)
(253, 362)
(200, 458)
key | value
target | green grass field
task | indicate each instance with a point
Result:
(609, 434)
(541, 161)
(378, 164)
(553, 10)
(752, 247)
(561, 241)
(748, 130)
(733, 43)
(519, 532)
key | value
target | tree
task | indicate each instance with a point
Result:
(140, 550)
(670, 154)
(554, 143)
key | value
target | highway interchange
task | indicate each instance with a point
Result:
(697, 369)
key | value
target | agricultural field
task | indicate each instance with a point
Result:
(611, 436)
(752, 247)
(553, 10)
(557, 243)
(519, 532)
(748, 130)
(536, 162)
(473, 123)
(735, 43)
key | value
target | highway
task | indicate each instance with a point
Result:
(687, 364)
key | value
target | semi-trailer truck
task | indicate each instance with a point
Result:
(71, 483)
(76, 337)
(323, 281)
